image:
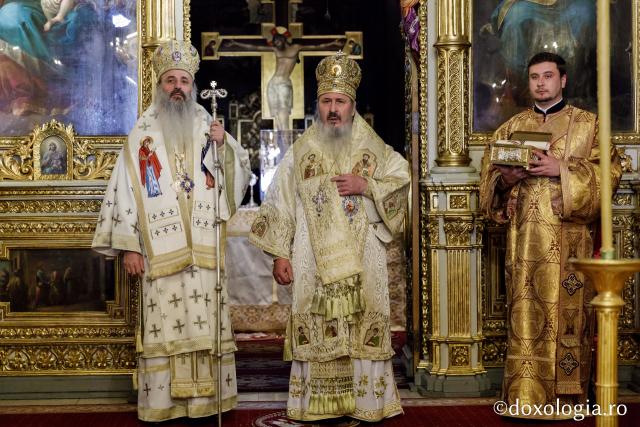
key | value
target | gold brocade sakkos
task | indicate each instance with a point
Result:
(550, 220)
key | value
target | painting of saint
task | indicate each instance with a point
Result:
(53, 156)
(365, 167)
(312, 168)
(302, 336)
(372, 337)
(149, 167)
(72, 60)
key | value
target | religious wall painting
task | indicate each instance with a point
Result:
(80, 305)
(81, 71)
(56, 280)
(209, 46)
(53, 151)
(506, 34)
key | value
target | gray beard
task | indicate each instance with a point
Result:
(176, 120)
(336, 141)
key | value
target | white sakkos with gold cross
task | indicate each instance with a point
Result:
(173, 227)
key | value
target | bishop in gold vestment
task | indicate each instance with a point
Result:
(550, 219)
(330, 236)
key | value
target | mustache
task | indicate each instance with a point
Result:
(178, 91)
(333, 115)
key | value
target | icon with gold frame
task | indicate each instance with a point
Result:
(53, 151)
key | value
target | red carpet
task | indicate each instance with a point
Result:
(428, 416)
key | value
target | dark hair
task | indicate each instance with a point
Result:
(541, 57)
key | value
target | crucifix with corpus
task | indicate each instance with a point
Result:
(282, 66)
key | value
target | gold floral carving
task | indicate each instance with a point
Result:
(91, 164)
(458, 231)
(494, 350)
(49, 206)
(458, 201)
(628, 348)
(16, 163)
(622, 199)
(424, 143)
(625, 160)
(47, 227)
(434, 231)
(186, 19)
(459, 355)
(425, 283)
(453, 83)
(66, 358)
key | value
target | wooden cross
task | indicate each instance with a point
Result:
(250, 45)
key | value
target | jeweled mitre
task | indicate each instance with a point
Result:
(338, 73)
(176, 55)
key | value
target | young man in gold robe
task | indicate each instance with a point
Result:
(326, 231)
(550, 209)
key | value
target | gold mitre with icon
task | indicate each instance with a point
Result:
(338, 73)
(175, 55)
(518, 149)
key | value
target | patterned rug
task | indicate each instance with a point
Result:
(414, 416)
(259, 364)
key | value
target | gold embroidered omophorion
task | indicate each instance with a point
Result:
(549, 221)
(338, 335)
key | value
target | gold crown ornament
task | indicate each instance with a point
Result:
(339, 74)
(176, 55)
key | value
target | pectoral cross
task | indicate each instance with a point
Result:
(213, 93)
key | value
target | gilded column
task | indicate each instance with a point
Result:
(157, 24)
(452, 49)
(454, 339)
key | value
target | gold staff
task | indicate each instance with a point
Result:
(215, 93)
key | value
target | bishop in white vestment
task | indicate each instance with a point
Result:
(159, 209)
(338, 196)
